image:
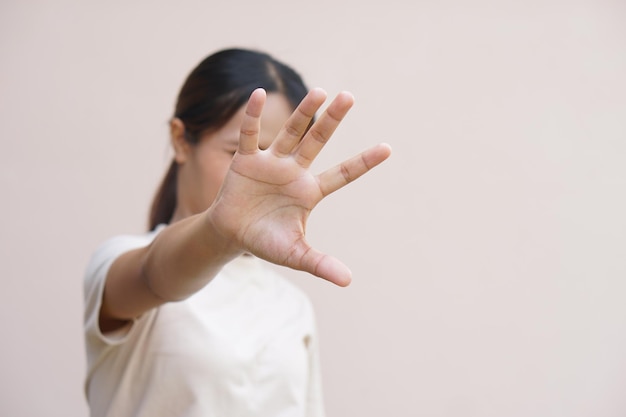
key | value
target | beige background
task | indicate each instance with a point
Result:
(489, 254)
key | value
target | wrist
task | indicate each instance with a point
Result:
(216, 238)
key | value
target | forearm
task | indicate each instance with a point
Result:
(185, 257)
(181, 260)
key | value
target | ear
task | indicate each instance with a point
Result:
(181, 147)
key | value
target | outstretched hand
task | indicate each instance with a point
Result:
(267, 195)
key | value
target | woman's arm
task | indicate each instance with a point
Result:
(180, 261)
(262, 209)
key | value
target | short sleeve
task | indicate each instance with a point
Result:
(93, 285)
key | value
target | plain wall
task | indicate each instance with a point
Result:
(489, 252)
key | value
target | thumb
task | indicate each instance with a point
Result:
(333, 270)
(324, 266)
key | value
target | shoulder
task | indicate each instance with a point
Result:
(267, 278)
(288, 290)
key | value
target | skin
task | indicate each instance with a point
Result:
(256, 201)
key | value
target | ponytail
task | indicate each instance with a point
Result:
(164, 201)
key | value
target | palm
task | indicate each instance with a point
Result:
(267, 195)
(271, 204)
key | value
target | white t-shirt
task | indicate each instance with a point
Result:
(245, 345)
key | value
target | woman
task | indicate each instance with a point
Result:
(186, 320)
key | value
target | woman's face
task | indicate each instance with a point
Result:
(202, 170)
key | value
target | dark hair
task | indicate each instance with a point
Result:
(212, 93)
